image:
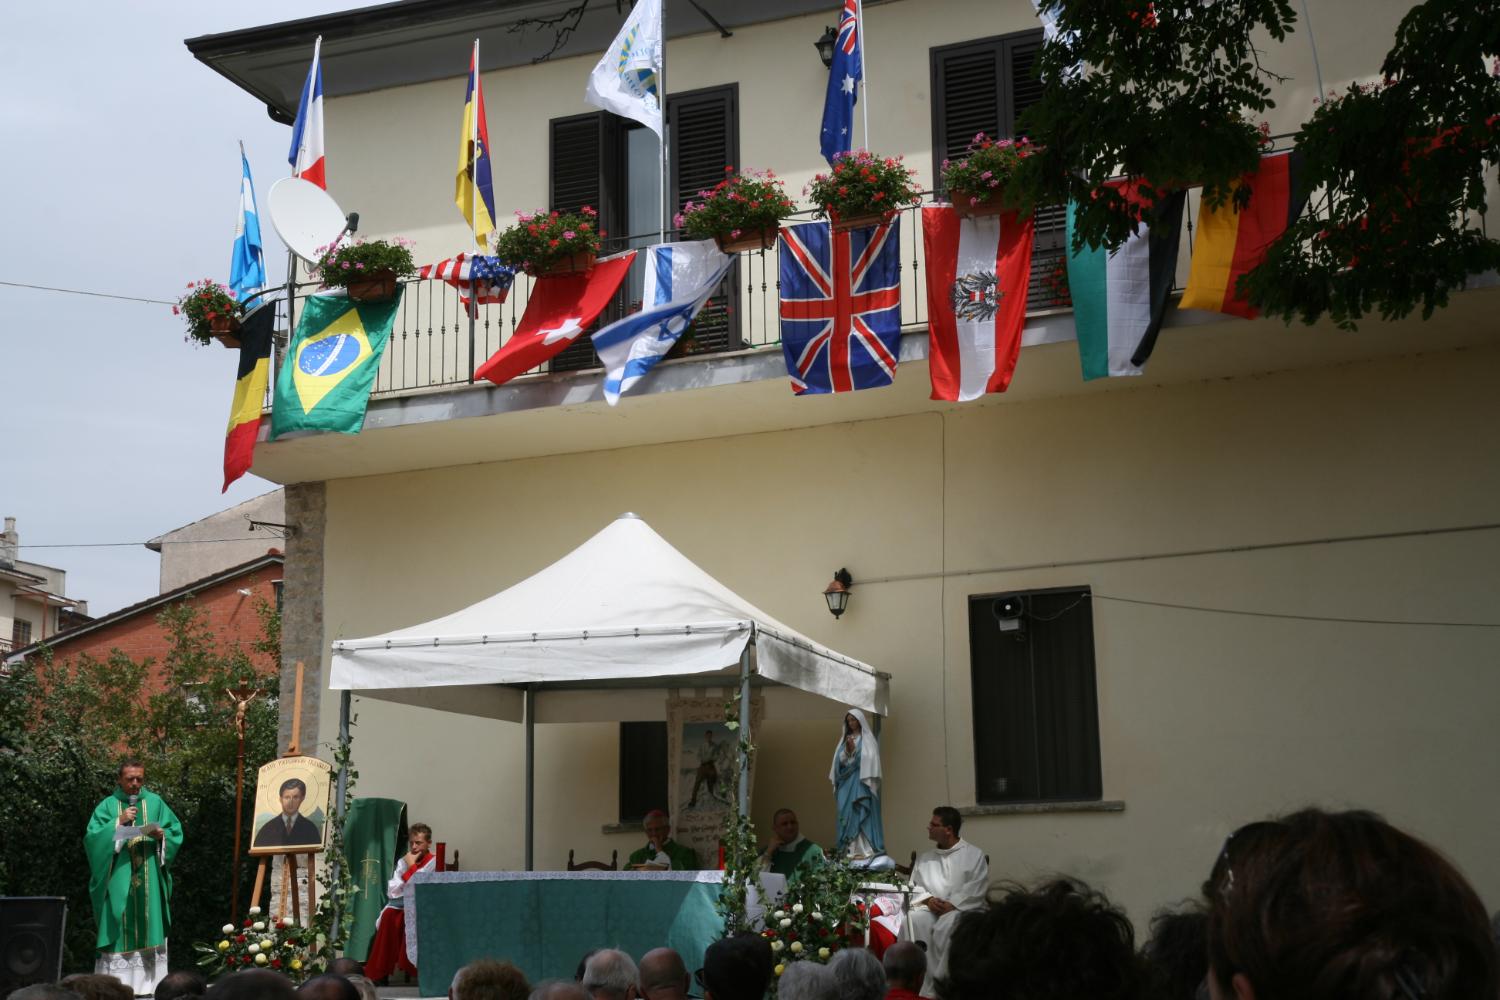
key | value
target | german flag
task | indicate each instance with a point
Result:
(249, 392)
(1232, 242)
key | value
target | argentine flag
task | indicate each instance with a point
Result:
(680, 277)
(247, 268)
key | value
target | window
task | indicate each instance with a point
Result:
(20, 634)
(643, 769)
(1036, 714)
(612, 163)
(984, 86)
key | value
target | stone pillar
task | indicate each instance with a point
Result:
(302, 612)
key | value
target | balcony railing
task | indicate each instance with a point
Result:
(434, 342)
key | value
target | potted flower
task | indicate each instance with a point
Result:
(741, 212)
(976, 182)
(551, 243)
(211, 311)
(863, 190)
(259, 942)
(368, 269)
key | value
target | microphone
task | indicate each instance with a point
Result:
(133, 800)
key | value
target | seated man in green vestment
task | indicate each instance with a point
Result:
(131, 841)
(661, 851)
(789, 852)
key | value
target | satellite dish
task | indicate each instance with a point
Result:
(304, 216)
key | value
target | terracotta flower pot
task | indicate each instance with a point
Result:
(575, 263)
(377, 286)
(223, 329)
(862, 220)
(752, 239)
(982, 208)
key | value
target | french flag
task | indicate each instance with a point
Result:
(306, 154)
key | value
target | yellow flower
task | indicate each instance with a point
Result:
(823, 954)
(296, 963)
(267, 943)
(261, 959)
(796, 947)
(223, 945)
(780, 969)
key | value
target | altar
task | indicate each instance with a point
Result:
(545, 922)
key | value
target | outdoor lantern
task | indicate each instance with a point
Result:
(837, 594)
(825, 46)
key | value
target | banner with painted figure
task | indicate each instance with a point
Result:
(703, 777)
(325, 378)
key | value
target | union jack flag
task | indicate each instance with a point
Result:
(840, 306)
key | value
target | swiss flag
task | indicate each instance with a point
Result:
(977, 273)
(561, 307)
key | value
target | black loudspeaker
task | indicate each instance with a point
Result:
(31, 935)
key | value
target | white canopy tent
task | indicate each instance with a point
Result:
(624, 609)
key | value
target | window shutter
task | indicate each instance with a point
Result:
(643, 769)
(576, 158)
(704, 131)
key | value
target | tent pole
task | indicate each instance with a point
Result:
(530, 772)
(745, 726)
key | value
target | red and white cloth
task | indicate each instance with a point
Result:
(388, 951)
(977, 275)
(458, 271)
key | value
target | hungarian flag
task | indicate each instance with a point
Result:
(324, 382)
(249, 392)
(977, 275)
(561, 307)
(1232, 242)
(1120, 298)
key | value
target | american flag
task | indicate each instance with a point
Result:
(485, 279)
(840, 306)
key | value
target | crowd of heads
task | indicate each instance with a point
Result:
(1311, 906)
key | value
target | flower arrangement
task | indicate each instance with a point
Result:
(362, 260)
(979, 178)
(266, 944)
(862, 183)
(204, 302)
(819, 914)
(541, 241)
(743, 204)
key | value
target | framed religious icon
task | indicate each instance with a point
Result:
(291, 806)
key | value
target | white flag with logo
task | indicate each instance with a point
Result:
(680, 277)
(627, 80)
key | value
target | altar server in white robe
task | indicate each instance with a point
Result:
(948, 880)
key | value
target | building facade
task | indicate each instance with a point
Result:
(33, 598)
(1121, 618)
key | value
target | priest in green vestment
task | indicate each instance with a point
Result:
(789, 852)
(661, 851)
(131, 841)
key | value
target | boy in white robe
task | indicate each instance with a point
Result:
(949, 880)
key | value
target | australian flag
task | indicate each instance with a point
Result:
(840, 306)
(843, 80)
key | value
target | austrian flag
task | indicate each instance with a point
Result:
(977, 273)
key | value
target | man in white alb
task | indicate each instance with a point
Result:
(948, 880)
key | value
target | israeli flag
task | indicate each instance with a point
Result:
(247, 268)
(680, 277)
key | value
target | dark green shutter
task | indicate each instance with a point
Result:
(705, 140)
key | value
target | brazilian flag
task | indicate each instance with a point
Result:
(324, 382)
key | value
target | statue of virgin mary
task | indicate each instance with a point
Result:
(855, 775)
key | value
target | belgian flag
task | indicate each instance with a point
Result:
(249, 392)
(1233, 242)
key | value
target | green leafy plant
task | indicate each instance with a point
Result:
(342, 264)
(540, 240)
(742, 203)
(862, 183)
(204, 302)
(820, 913)
(741, 855)
(985, 170)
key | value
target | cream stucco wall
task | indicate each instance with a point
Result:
(1206, 719)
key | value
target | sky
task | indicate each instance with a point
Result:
(121, 176)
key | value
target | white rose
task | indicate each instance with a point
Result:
(254, 911)
(254, 949)
(786, 922)
(796, 947)
(796, 907)
(778, 914)
(817, 916)
(823, 954)
(229, 928)
(259, 925)
(260, 960)
(776, 946)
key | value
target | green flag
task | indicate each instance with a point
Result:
(372, 842)
(325, 378)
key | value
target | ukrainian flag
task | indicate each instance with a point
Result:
(473, 190)
(324, 382)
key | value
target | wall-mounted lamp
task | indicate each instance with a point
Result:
(245, 592)
(837, 593)
(1010, 615)
(825, 46)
